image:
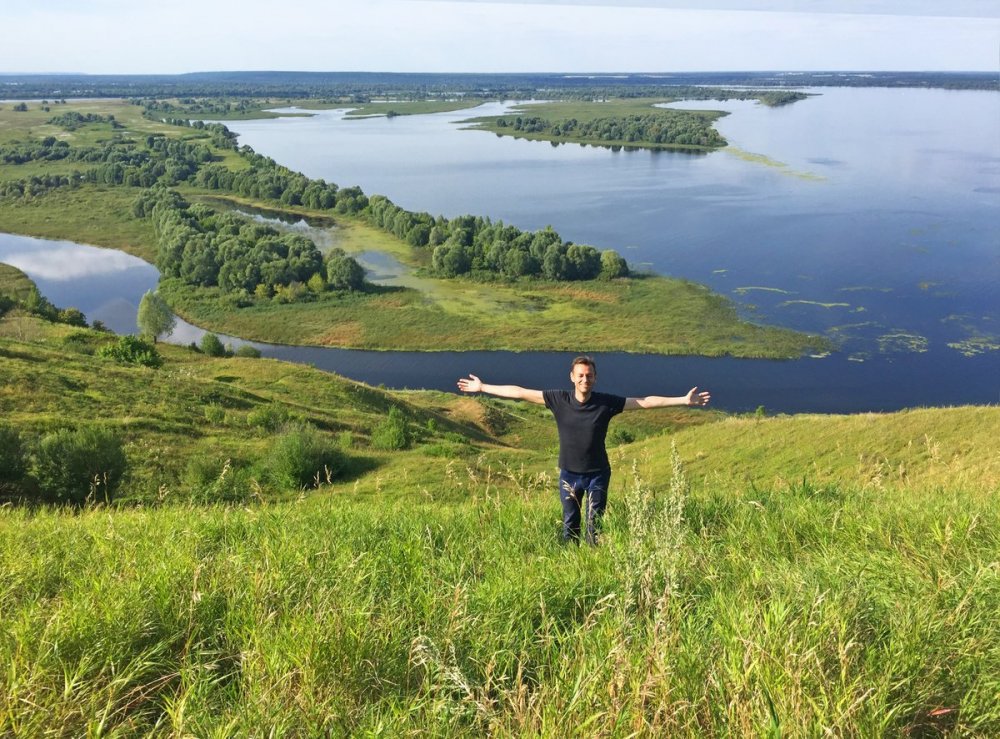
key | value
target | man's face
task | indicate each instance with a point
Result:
(583, 377)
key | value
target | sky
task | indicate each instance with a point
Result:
(576, 36)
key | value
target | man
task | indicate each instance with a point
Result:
(582, 418)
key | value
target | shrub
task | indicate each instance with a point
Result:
(72, 316)
(392, 433)
(210, 479)
(246, 350)
(212, 346)
(13, 459)
(303, 457)
(215, 414)
(131, 350)
(76, 466)
(620, 435)
(269, 417)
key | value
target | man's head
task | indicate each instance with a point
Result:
(583, 374)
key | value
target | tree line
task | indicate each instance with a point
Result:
(205, 248)
(365, 85)
(476, 246)
(667, 127)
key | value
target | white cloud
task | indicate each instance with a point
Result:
(115, 36)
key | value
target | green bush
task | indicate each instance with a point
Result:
(621, 435)
(215, 414)
(79, 465)
(269, 417)
(303, 457)
(392, 433)
(246, 350)
(212, 346)
(131, 350)
(13, 459)
(208, 479)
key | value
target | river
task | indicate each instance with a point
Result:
(866, 214)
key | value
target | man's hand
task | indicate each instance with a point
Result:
(471, 384)
(697, 399)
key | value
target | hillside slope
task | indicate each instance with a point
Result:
(918, 448)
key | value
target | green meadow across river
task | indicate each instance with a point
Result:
(521, 314)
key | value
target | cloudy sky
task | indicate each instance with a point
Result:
(126, 36)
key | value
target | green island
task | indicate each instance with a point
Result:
(613, 123)
(79, 171)
(197, 543)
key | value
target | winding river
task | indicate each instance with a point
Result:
(870, 215)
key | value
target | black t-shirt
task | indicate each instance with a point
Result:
(582, 428)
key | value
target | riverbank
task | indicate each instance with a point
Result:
(435, 314)
(652, 315)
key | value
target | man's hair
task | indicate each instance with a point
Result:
(585, 361)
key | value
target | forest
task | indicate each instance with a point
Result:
(362, 86)
(206, 248)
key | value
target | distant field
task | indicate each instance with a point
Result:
(408, 107)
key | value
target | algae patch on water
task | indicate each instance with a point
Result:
(816, 303)
(749, 156)
(899, 341)
(745, 290)
(975, 346)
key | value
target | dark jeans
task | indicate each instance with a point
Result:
(573, 487)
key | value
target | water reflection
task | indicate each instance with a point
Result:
(105, 284)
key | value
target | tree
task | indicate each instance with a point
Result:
(343, 272)
(155, 317)
(613, 265)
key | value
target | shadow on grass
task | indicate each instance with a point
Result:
(357, 467)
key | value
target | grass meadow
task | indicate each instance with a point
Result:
(786, 576)
(706, 611)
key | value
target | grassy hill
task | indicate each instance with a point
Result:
(792, 576)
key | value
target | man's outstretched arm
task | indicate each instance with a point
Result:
(693, 398)
(473, 384)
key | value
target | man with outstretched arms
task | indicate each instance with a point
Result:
(582, 417)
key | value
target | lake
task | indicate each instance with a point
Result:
(866, 214)
(869, 213)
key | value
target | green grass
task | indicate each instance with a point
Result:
(772, 576)
(196, 406)
(90, 214)
(802, 611)
(464, 315)
(14, 283)
(411, 107)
